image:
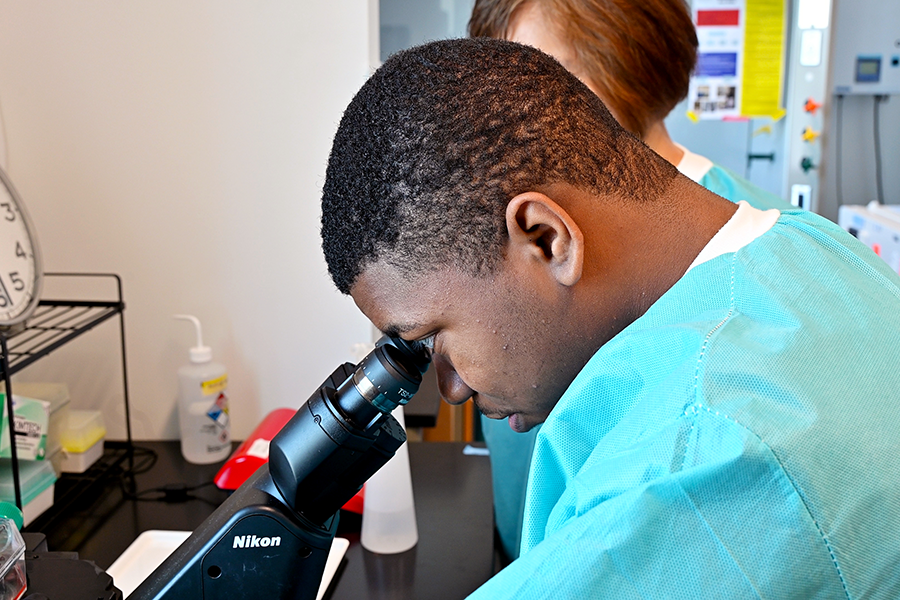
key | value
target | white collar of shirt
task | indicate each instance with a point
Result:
(744, 226)
(693, 165)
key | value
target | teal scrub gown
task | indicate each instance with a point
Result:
(511, 451)
(739, 440)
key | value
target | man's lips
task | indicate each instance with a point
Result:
(496, 415)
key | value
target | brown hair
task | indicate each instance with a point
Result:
(637, 54)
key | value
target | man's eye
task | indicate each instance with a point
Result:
(428, 343)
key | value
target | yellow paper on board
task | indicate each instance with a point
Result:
(763, 69)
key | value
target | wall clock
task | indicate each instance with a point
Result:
(20, 259)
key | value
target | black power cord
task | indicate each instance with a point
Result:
(171, 492)
(145, 459)
(142, 460)
(876, 125)
(838, 134)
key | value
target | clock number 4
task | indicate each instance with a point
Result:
(10, 213)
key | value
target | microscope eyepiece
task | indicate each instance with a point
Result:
(409, 355)
(386, 378)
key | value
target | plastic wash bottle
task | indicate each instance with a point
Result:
(203, 405)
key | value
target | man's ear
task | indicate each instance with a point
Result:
(541, 230)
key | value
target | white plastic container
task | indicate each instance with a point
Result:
(389, 512)
(82, 441)
(79, 462)
(203, 405)
(37, 481)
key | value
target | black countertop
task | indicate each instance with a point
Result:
(454, 514)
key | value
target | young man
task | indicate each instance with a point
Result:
(638, 56)
(716, 382)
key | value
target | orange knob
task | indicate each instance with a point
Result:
(811, 106)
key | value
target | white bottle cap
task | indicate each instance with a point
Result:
(199, 353)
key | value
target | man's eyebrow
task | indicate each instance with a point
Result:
(396, 329)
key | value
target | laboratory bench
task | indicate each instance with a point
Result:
(454, 511)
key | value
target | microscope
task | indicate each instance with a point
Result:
(271, 538)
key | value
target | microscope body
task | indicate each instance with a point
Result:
(271, 538)
(252, 546)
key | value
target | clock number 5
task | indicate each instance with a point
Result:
(17, 282)
(10, 213)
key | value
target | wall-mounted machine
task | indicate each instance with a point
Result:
(865, 55)
(865, 61)
(878, 227)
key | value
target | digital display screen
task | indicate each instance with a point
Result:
(868, 69)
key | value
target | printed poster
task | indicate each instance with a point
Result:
(715, 91)
(740, 59)
(764, 47)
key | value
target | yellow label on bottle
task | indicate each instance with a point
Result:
(214, 386)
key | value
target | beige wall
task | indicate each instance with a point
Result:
(182, 144)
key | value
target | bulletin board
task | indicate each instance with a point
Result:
(740, 59)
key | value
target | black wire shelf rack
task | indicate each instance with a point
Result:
(53, 324)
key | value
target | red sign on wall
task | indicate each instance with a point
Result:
(718, 18)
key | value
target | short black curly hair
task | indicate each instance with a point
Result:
(439, 140)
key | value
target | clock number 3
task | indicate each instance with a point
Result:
(10, 213)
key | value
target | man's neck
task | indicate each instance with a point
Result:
(639, 251)
(634, 252)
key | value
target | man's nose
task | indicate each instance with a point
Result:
(451, 386)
